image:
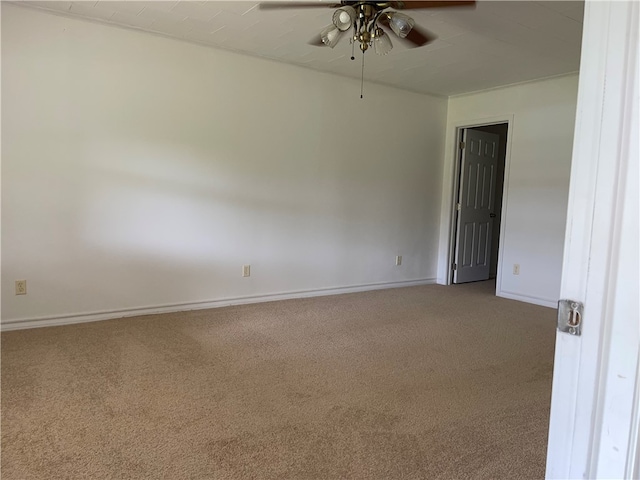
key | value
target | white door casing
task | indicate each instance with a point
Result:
(476, 206)
(595, 418)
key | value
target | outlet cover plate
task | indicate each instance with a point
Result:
(21, 287)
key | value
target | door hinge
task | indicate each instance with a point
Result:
(459, 206)
(455, 266)
(570, 317)
(462, 145)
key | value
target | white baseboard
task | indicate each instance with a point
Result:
(545, 302)
(55, 320)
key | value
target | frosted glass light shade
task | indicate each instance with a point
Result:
(382, 44)
(330, 35)
(344, 17)
(401, 24)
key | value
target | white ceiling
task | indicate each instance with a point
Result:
(497, 43)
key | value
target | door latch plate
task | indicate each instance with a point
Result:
(570, 317)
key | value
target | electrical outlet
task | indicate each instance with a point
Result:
(398, 260)
(21, 287)
(246, 270)
(516, 269)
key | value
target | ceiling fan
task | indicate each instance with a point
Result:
(371, 22)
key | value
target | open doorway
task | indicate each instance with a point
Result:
(478, 191)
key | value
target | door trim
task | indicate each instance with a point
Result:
(445, 274)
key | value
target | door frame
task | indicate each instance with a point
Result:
(459, 127)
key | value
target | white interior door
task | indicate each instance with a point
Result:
(594, 430)
(476, 202)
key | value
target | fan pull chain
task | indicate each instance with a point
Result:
(353, 50)
(362, 78)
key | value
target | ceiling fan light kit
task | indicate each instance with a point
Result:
(363, 18)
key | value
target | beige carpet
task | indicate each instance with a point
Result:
(422, 382)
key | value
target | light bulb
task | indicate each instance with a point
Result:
(401, 24)
(344, 17)
(330, 35)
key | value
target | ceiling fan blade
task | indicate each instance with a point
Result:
(291, 5)
(419, 37)
(414, 5)
(316, 41)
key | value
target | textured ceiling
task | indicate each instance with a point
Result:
(497, 43)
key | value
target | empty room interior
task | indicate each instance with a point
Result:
(229, 250)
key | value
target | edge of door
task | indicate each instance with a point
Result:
(594, 423)
(451, 193)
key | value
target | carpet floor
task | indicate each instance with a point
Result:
(427, 382)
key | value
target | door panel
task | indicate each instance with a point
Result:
(483, 241)
(476, 204)
(467, 254)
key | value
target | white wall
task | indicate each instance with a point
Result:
(542, 116)
(142, 171)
